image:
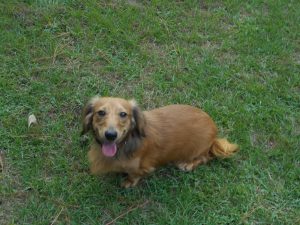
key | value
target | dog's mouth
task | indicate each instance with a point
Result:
(109, 149)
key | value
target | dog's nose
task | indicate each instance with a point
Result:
(111, 135)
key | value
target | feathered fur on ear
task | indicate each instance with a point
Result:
(139, 121)
(88, 116)
(87, 119)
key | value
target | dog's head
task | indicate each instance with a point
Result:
(117, 124)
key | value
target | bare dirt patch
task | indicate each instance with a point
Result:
(258, 139)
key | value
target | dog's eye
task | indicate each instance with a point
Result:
(101, 113)
(123, 114)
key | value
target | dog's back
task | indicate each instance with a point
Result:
(178, 133)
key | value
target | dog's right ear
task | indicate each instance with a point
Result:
(87, 118)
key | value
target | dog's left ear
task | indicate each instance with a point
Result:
(87, 118)
(138, 118)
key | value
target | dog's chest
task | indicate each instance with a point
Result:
(128, 165)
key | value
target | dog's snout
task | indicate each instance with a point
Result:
(111, 135)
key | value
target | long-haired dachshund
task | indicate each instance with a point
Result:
(130, 141)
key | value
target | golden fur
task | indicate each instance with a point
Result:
(179, 134)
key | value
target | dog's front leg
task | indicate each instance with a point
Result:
(134, 177)
(131, 180)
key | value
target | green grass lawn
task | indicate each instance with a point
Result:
(237, 60)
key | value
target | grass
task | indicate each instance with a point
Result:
(238, 60)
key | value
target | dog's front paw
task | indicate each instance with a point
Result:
(130, 182)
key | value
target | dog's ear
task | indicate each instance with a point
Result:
(87, 118)
(138, 120)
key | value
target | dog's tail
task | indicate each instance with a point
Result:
(223, 148)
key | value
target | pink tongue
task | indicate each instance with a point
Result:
(109, 149)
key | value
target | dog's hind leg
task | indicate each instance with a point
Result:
(189, 166)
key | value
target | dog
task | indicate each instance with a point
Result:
(129, 140)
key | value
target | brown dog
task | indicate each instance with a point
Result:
(135, 142)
